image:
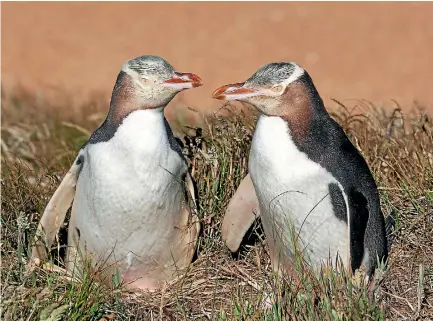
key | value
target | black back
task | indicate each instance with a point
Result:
(326, 143)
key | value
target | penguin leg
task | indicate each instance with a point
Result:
(242, 211)
(54, 214)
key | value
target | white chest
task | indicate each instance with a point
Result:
(293, 192)
(130, 191)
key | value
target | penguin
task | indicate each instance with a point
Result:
(132, 196)
(310, 186)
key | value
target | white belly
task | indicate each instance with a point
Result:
(129, 193)
(293, 194)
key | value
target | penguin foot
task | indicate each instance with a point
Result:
(64, 274)
(133, 282)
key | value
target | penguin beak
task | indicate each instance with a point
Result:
(234, 92)
(181, 81)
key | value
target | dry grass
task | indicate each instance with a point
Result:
(39, 141)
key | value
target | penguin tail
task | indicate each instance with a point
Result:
(390, 228)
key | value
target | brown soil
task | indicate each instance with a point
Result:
(374, 51)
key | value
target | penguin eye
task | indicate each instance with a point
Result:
(148, 80)
(277, 88)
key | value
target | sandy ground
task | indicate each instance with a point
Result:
(374, 51)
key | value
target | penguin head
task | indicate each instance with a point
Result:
(152, 82)
(268, 89)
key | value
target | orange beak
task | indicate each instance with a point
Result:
(234, 92)
(182, 80)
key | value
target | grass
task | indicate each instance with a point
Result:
(40, 140)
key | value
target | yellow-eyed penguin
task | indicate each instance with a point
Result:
(310, 185)
(129, 186)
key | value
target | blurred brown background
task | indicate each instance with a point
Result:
(373, 51)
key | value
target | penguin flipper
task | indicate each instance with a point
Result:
(183, 249)
(190, 186)
(55, 213)
(389, 228)
(367, 232)
(359, 216)
(242, 211)
(192, 216)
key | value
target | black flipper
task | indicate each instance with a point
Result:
(389, 228)
(338, 202)
(358, 220)
(359, 215)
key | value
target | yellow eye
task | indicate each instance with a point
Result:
(277, 88)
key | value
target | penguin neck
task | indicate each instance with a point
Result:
(311, 92)
(125, 99)
(300, 106)
(143, 132)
